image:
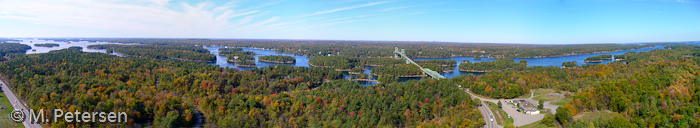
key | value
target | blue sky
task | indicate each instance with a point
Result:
(475, 21)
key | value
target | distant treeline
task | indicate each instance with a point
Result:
(277, 59)
(47, 45)
(498, 64)
(386, 48)
(187, 53)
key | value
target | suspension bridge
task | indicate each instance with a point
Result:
(401, 54)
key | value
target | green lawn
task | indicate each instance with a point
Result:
(498, 114)
(5, 122)
(537, 124)
(545, 97)
(562, 101)
(591, 116)
(542, 91)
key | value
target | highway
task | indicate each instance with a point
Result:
(15, 103)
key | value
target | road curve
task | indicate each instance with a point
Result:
(14, 101)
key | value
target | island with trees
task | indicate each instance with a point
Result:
(277, 59)
(245, 63)
(49, 45)
(496, 65)
(569, 64)
(185, 53)
(593, 59)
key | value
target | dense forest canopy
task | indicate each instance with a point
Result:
(11, 50)
(594, 59)
(165, 93)
(187, 53)
(237, 57)
(245, 63)
(569, 64)
(277, 59)
(227, 51)
(6, 48)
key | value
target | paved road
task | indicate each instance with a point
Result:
(199, 119)
(519, 118)
(18, 105)
(486, 112)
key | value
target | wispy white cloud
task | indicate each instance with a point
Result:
(345, 8)
(354, 17)
(150, 17)
(394, 8)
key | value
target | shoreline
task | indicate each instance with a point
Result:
(165, 58)
(279, 62)
(403, 76)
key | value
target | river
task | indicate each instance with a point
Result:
(302, 61)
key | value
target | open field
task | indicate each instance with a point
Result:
(562, 101)
(542, 91)
(537, 124)
(591, 116)
(4, 121)
(545, 97)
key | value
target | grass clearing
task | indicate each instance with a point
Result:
(542, 91)
(563, 101)
(591, 116)
(537, 124)
(4, 121)
(546, 97)
(499, 115)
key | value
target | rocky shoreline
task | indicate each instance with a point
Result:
(238, 60)
(242, 65)
(403, 76)
(478, 71)
(167, 58)
(280, 62)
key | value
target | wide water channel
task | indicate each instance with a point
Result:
(302, 61)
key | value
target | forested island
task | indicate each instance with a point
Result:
(47, 45)
(228, 51)
(186, 53)
(657, 88)
(9, 50)
(593, 59)
(569, 64)
(496, 65)
(245, 63)
(347, 63)
(278, 59)
(163, 93)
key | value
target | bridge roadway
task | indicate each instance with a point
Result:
(430, 73)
